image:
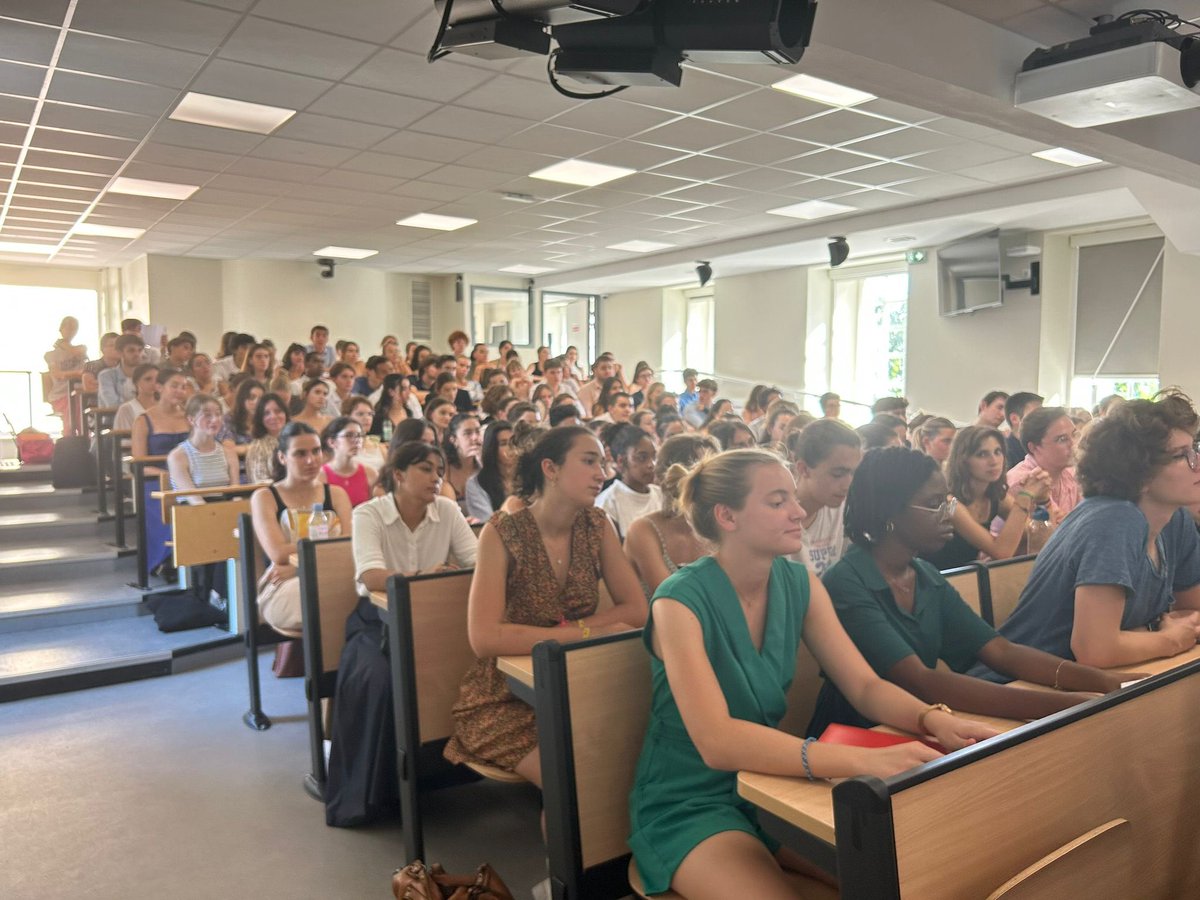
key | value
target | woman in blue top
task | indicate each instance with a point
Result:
(1119, 580)
(723, 634)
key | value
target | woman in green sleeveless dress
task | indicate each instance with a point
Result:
(723, 635)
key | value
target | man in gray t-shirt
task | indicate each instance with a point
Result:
(1103, 542)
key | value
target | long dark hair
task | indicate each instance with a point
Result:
(883, 486)
(383, 407)
(449, 443)
(259, 428)
(290, 430)
(490, 477)
(554, 445)
(406, 455)
(966, 444)
(409, 431)
(241, 419)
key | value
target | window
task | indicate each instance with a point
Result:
(569, 320)
(868, 333)
(501, 314)
(699, 351)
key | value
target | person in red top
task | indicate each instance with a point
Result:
(342, 441)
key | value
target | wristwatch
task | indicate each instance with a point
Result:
(940, 707)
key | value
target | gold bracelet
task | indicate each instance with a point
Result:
(938, 707)
(1057, 686)
(583, 626)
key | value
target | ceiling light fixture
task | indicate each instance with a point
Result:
(900, 239)
(95, 229)
(527, 270)
(640, 246)
(581, 172)
(27, 249)
(812, 209)
(1065, 157)
(224, 112)
(436, 222)
(514, 197)
(345, 252)
(822, 91)
(142, 187)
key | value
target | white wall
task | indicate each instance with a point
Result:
(1178, 359)
(631, 326)
(187, 294)
(760, 327)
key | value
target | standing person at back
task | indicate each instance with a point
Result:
(319, 335)
(697, 413)
(689, 395)
(604, 368)
(1016, 408)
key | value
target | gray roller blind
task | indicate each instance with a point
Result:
(1109, 278)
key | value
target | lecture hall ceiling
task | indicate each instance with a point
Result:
(86, 88)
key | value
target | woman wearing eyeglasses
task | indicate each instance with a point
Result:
(1048, 436)
(342, 440)
(1119, 581)
(905, 618)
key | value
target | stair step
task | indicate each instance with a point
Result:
(42, 498)
(52, 525)
(26, 563)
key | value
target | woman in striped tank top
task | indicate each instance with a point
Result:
(201, 462)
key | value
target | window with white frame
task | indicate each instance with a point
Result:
(869, 331)
(699, 348)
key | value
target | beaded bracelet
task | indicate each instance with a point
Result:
(804, 758)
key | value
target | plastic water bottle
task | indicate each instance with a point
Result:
(319, 523)
(386, 428)
(1038, 530)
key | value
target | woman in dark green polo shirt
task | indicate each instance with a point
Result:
(905, 618)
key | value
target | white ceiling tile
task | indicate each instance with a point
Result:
(960, 156)
(303, 152)
(387, 164)
(100, 55)
(111, 93)
(652, 184)
(511, 96)
(377, 21)
(219, 197)
(701, 168)
(465, 176)
(698, 91)
(1019, 168)
(50, 159)
(17, 109)
(838, 127)
(428, 146)
(693, 134)
(707, 194)
(77, 142)
(508, 160)
(293, 49)
(904, 142)
(941, 186)
(359, 181)
(374, 107)
(884, 173)
(762, 149)
(232, 182)
(204, 137)
(825, 162)
(775, 181)
(37, 175)
(24, 80)
(169, 23)
(890, 109)
(24, 42)
(257, 84)
(561, 143)
(765, 109)
(186, 157)
(408, 73)
(634, 155)
(94, 121)
(49, 12)
(9, 154)
(613, 117)
(456, 121)
(269, 168)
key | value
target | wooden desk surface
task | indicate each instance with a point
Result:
(379, 598)
(518, 667)
(809, 804)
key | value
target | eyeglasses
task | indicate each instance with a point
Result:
(945, 511)
(1191, 454)
(351, 435)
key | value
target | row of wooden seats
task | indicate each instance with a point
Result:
(992, 589)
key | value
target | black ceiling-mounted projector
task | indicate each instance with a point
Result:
(628, 42)
(1141, 64)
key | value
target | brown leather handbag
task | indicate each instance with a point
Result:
(416, 881)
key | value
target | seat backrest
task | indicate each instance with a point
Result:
(802, 695)
(205, 533)
(1006, 579)
(965, 580)
(602, 688)
(328, 594)
(441, 651)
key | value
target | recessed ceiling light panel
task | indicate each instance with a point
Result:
(27, 249)
(581, 172)
(640, 246)
(345, 252)
(225, 112)
(436, 222)
(812, 209)
(822, 91)
(142, 187)
(527, 270)
(1065, 157)
(117, 231)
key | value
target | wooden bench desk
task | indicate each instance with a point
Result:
(519, 672)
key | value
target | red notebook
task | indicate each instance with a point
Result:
(852, 736)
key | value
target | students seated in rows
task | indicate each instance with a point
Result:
(200, 460)
(723, 635)
(158, 431)
(376, 369)
(280, 512)
(643, 376)
(645, 420)
(145, 382)
(396, 403)
(108, 358)
(732, 434)
(1119, 581)
(613, 406)
(876, 436)
(439, 413)
(1048, 436)
(462, 444)
(991, 410)
(204, 378)
(372, 452)
(934, 437)
(116, 384)
(669, 424)
(270, 417)
(826, 455)
(489, 487)
(319, 335)
(341, 440)
(313, 397)
(538, 578)
(633, 494)
(659, 542)
(603, 368)
(236, 428)
(773, 425)
(257, 363)
(905, 618)
(341, 380)
(720, 409)
(975, 475)
(1016, 407)
(696, 413)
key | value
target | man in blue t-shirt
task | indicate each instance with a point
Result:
(1119, 580)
